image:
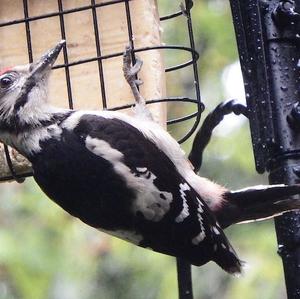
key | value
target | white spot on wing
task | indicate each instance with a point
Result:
(185, 209)
(148, 199)
(141, 169)
(201, 235)
(103, 149)
(150, 203)
(216, 230)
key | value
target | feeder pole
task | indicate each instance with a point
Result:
(267, 34)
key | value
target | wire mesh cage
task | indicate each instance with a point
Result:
(85, 75)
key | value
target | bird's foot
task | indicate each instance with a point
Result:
(130, 74)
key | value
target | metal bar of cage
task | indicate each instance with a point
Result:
(98, 49)
(142, 49)
(27, 27)
(65, 53)
(58, 13)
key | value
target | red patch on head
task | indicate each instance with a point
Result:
(3, 71)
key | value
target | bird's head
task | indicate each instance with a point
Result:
(23, 91)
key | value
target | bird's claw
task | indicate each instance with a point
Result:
(138, 82)
(130, 72)
(137, 67)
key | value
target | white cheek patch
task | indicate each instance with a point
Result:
(150, 201)
(8, 103)
(36, 108)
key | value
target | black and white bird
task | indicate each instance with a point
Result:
(122, 175)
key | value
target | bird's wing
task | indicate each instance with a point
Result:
(168, 215)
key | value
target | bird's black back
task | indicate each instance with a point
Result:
(88, 187)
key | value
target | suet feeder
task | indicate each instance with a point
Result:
(89, 73)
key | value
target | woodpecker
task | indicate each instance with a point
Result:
(124, 175)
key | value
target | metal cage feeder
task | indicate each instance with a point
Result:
(100, 58)
(67, 64)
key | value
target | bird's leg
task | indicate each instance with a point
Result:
(130, 74)
(203, 136)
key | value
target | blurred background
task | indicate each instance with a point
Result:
(45, 253)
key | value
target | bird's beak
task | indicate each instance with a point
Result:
(43, 66)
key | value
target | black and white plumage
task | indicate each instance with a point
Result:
(113, 177)
(120, 174)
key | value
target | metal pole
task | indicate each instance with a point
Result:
(268, 41)
(184, 278)
(184, 268)
(285, 165)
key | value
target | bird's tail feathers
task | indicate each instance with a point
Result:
(258, 203)
(225, 255)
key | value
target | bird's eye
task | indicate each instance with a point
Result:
(6, 81)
